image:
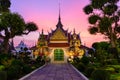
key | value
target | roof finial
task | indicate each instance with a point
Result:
(59, 25)
(74, 31)
(42, 31)
(39, 35)
(59, 12)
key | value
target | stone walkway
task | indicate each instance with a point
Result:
(55, 72)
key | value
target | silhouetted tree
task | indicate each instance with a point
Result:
(4, 5)
(104, 17)
(11, 25)
(91, 52)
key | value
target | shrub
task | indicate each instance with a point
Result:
(76, 60)
(100, 75)
(7, 62)
(17, 62)
(89, 70)
(97, 65)
(112, 62)
(116, 67)
(3, 75)
(2, 67)
(81, 67)
(13, 72)
(85, 60)
(26, 69)
(39, 58)
(110, 69)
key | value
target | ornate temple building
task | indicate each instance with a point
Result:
(59, 45)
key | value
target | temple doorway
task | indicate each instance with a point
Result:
(58, 55)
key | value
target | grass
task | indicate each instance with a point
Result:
(115, 66)
(115, 76)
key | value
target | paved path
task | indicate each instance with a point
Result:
(56, 72)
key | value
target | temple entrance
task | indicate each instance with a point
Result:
(58, 55)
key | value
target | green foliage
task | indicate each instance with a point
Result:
(98, 4)
(100, 75)
(110, 69)
(76, 60)
(2, 67)
(89, 70)
(13, 72)
(115, 76)
(85, 60)
(112, 61)
(97, 65)
(118, 29)
(104, 17)
(81, 67)
(93, 19)
(93, 30)
(104, 24)
(14, 22)
(17, 62)
(26, 69)
(116, 67)
(40, 59)
(88, 9)
(110, 9)
(113, 51)
(4, 5)
(3, 75)
(7, 62)
(31, 26)
(95, 45)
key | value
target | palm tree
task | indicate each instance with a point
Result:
(11, 25)
(104, 17)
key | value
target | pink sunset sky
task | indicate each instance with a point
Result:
(45, 14)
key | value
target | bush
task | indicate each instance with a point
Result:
(85, 60)
(26, 69)
(2, 67)
(40, 60)
(3, 75)
(76, 60)
(97, 65)
(112, 62)
(89, 70)
(116, 67)
(100, 75)
(13, 72)
(110, 69)
(81, 67)
(17, 62)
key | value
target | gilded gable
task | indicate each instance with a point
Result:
(59, 35)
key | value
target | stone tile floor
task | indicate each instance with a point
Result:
(55, 72)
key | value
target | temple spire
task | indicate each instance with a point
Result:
(74, 31)
(59, 19)
(42, 31)
(59, 13)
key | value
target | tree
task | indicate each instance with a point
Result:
(104, 17)
(4, 5)
(11, 25)
(101, 51)
(103, 45)
(91, 52)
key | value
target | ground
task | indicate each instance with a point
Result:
(56, 72)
